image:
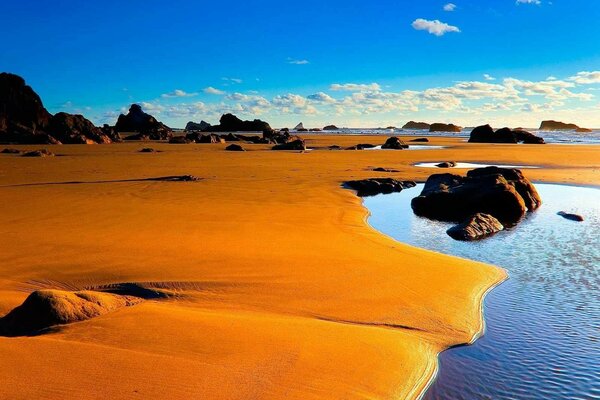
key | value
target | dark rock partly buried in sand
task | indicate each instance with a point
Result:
(501, 192)
(394, 143)
(10, 151)
(486, 134)
(412, 125)
(420, 140)
(439, 127)
(446, 164)
(381, 169)
(297, 144)
(374, 186)
(335, 147)
(234, 147)
(144, 124)
(179, 140)
(148, 150)
(38, 153)
(476, 227)
(46, 308)
(572, 217)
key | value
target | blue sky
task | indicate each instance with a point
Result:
(352, 63)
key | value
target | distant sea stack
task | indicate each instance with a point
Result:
(231, 123)
(23, 119)
(331, 128)
(551, 125)
(197, 126)
(412, 125)
(145, 125)
(439, 127)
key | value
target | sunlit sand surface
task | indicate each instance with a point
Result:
(278, 287)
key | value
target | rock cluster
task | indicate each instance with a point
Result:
(486, 134)
(374, 186)
(394, 143)
(144, 125)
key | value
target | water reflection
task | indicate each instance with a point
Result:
(542, 337)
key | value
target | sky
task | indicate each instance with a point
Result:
(343, 62)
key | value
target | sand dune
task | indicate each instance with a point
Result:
(278, 288)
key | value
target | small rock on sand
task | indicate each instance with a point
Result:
(572, 217)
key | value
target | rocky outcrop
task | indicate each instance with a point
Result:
(299, 127)
(439, 127)
(297, 144)
(179, 140)
(394, 143)
(446, 164)
(503, 193)
(43, 309)
(75, 129)
(144, 124)
(234, 147)
(231, 123)
(476, 227)
(551, 125)
(412, 125)
(374, 186)
(572, 217)
(197, 126)
(583, 130)
(197, 137)
(331, 128)
(486, 134)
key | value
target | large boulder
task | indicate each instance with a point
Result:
(476, 227)
(374, 186)
(503, 193)
(297, 144)
(486, 134)
(197, 126)
(439, 127)
(394, 143)
(136, 120)
(231, 123)
(412, 125)
(551, 125)
(75, 129)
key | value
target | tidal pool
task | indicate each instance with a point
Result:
(542, 336)
(470, 165)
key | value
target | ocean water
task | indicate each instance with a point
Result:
(542, 336)
(559, 137)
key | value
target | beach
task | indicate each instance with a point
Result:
(278, 286)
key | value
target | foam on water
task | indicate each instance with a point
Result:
(542, 336)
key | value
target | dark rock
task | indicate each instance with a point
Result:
(176, 178)
(335, 147)
(362, 146)
(234, 147)
(144, 124)
(583, 130)
(204, 138)
(551, 125)
(197, 126)
(374, 186)
(485, 134)
(75, 129)
(439, 127)
(138, 136)
(38, 153)
(10, 151)
(299, 127)
(501, 192)
(420, 140)
(527, 137)
(179, 140)
(297, 144)
(331, 128)
(111, 133)
(148, 150)
(394, 143)
(412, 125)
(446, 164)
(476, 227)
(381, 169)
(314, 130)
(231, 123)
(572, 217)
(302, 130)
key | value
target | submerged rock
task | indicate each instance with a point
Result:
(503, 193)
(476, 227)
(46, 308)
(234, 147)
(572, 217)
(374, 186)
(394, 143)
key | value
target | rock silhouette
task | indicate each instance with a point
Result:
(145, 125)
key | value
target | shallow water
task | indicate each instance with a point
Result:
(470, 165)
(410, 147)
(542, 338)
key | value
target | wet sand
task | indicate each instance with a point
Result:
(283, 290)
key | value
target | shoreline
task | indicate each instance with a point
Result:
(242, 200)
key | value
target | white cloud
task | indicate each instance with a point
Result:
(450, 7)
(538, 2)
(321, 97)
(297, 62)
(435, 27)
(586, 77)
(354, 87)
(178, 93)
(212, 90)
(488, 77)
(232, 80)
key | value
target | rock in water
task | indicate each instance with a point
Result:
(551, 125)
(486, 134)
(45, 308)
(439, 127)
(234, 147)
(331, 128)
(446, 164)
(476, 227)
(374, 186)
(421, 140)
(299, 127)
(503, 193)
(572, 217)
(394, 143)
(412, 125)
(144, 124)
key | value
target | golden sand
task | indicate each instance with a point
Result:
(284, 290)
